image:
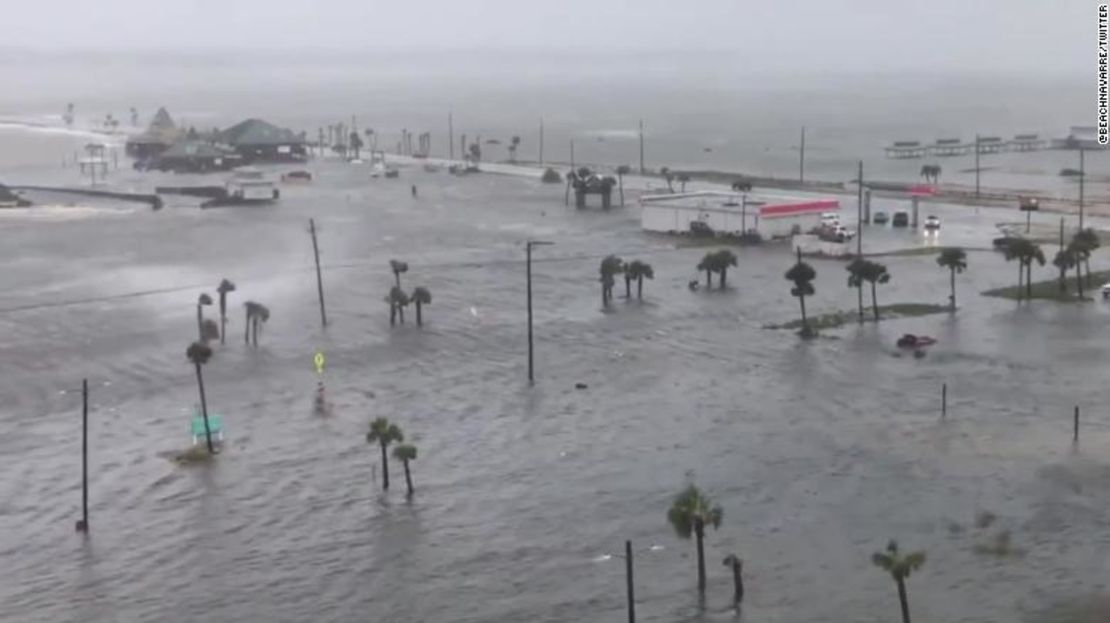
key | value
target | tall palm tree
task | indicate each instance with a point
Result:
(637, 271)
(1088, 242)
(802, 275)
(398, 267)
(666, 173)
(622, 171)
(955, 260)
(224, 287)
(855, 270)
(356, 144)
(257, 314)
(682, 179)
(202, 301)
(421, 296)
(199, 353)
(725, 258)
(405, 453)
(1065, 260)
(899, 566)
(1026, 252)
(1012, 253)
(610, 267)
(875, 273)
(690, 512)
(383, 433)
(1080, 254)
(709, 265)
(397, 300)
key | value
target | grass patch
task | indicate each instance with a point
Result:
(835, 319)
(1049, 289)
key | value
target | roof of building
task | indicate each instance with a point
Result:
(161, 130)
(196, 149)
(258, 132)
(162, 120)
(770, 205)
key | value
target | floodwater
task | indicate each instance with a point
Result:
(818, 452)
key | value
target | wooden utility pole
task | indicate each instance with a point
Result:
(83, 525)
(451, 135)
(1082, 176)
(802, 158)
(528, 251)
(572, 154)
(642, 170)
(628, 580)
(976, 166)
(944, 401)
(319, 277)
(859, 215)
(541, 141)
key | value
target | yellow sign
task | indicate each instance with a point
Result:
(320, 360)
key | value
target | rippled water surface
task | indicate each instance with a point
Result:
(818, 452)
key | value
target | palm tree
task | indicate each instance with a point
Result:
(224, 287)
(405, 453)
(725, 258)
(199, 353)
(622, 171)
(855, 270)
(666, 173)
(384, 433)
(1065, 260)
(257, 313)
(1080, 254)
(356, 144)
(398, 268)
(1026, 252)
(421, 296)
(513, 144)
(202, 300)
(690, 512)
(802, 275)
(875, 273)
(637, 271)
(955, 260)
(682, 179)
(397, 300)
(610, 267)
(1088, 242)
(899, 567)
(709, 265)
(1011, 253)
(736, 563)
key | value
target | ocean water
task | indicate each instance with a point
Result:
(818, 452)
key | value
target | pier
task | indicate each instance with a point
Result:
(948, 147)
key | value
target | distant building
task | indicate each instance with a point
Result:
(1079, 137)
(157, 138)
(258, 141)
(725, 213)
(195, 156)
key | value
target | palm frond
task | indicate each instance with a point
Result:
(198, 352)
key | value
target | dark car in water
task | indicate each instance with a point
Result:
(880, 218)
(901, 219)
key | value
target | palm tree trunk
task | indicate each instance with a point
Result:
(640, 287)
(401, 313)
(874, 302)
(392, 314)
(627, 286)
(904, 600)
(859, 291)
(385, 468)
(699, 532)
(204, 410)
(952, 297)
(604, 296)
(247, 330)
(1029, 280)
(708, 279)
(724, 274)
(408, 477)
(223, 316)
(200, 320)
(805, 323)
(620, 185)
(1078, 280)
(1087, 268)
(419, 317)
(1063, 278)
(1021, 276)
(254, 331)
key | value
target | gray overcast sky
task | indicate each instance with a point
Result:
(1010, 36)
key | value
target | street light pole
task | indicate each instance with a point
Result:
(1082, 174)
(976, 166)
(528, 252)
(628, 573)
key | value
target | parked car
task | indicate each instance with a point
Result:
(880, 218)
(830, 219)
(932, 223)
(901, 219)
(700, 228)
(1002, 243)
(1105, 291)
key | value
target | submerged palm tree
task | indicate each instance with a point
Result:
(802, 275)
(690, 512)
(708, 263)
(224, 287)
(405, 453)
(398, 267)
(855, 270)
(199, 353)
(1025, 252)
(725, 258)
(257, 314)
(682, 179)
(397, 300)
(899, 566)
(955, 260)
(1065, 260)
(1080, 254)
(202, 301)
(420, 296)
(637, 271)
(383, 433)
(1087, 242)
(610, 267)
(875, 273)
(669, 177)
(622, 171)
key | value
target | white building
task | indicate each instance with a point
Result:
(773, 216)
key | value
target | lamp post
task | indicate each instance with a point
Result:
(528, 250)
(1082, 174)
(202, 301)
(628, 574)
(1028, 205)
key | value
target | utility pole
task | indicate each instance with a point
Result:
(572, 154)
(642, 170)
(319, 277)
(628, 578)
(83, 525)
(859, 216)
(451, 135)
(976, 166)
(528, 250)
(802, 158)
(1082, 175)
(541, 141)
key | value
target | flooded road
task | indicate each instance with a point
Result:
(818, 452)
